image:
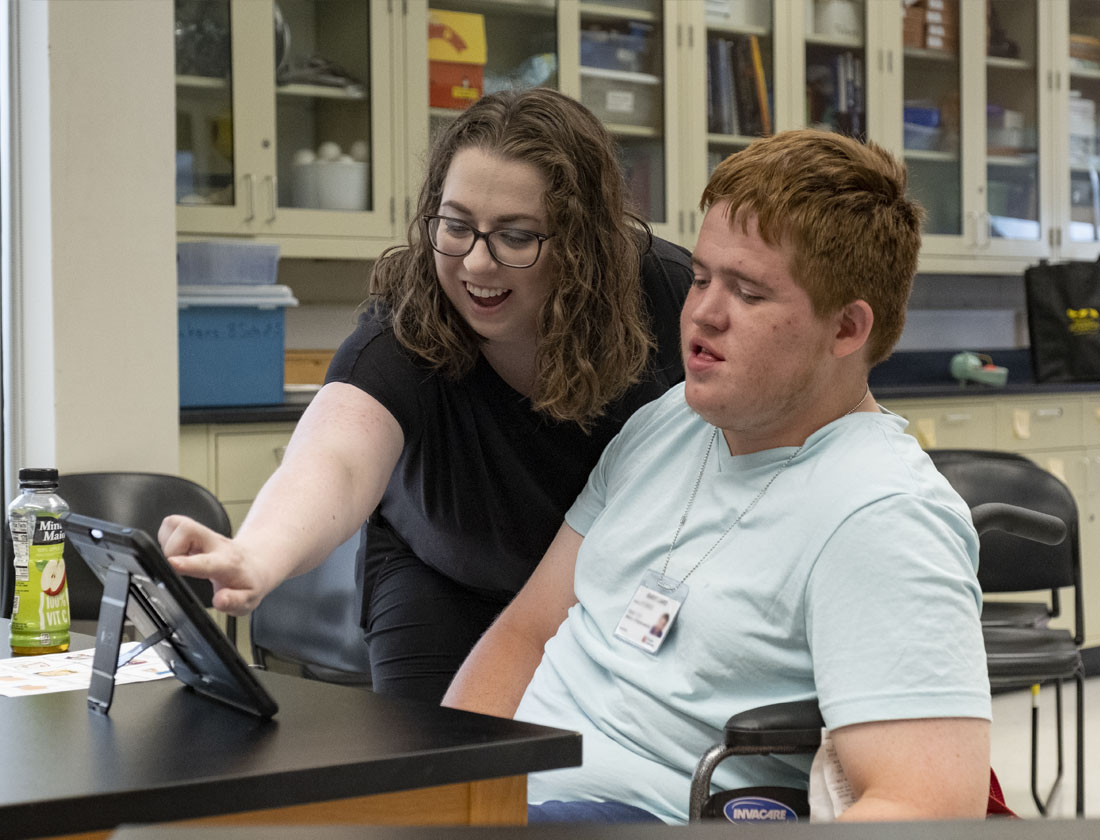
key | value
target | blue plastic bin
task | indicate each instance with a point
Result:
(232, 345)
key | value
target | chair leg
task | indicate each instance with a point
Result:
(1041, 803)
(1080, 679)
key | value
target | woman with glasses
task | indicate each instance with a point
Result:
(501, 349)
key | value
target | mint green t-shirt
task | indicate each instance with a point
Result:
(852, 579)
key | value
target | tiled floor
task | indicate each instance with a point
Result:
(1012, 749)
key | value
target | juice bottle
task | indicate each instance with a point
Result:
(40, 609)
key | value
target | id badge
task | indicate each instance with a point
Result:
(650, 614)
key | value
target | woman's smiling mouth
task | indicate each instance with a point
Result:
(486, 295)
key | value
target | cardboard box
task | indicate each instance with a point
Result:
(941, 36)
(231, 344)
(912, 33)
(307, 367)
(457, 51)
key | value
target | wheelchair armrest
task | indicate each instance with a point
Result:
(785, 727)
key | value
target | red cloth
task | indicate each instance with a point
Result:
(996, 806)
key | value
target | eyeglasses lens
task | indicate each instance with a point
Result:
(513, 248)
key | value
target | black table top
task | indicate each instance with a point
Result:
(993, 829)
(166, 753)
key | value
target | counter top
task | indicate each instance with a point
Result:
(288, 412)
(906, 375)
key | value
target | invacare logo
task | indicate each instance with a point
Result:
(758, 809)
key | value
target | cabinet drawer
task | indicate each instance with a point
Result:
(1090, 421)
(245, 460)
(1025, 425)
(949, 424)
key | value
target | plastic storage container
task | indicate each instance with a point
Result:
(223, 261)
(625, 98)
(614, 50)
(232, 344)
(331, 185)
(921, 138)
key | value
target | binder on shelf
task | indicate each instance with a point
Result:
(761, 86)
(748, 106)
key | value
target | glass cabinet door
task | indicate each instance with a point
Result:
(205, 159)
(740, 62)
(623, 72)
(482, 46)
(324, 136)
(1012, 121)
(284, 122)
(932, 84)
(835, 66)
(1084, 107)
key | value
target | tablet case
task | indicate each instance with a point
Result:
(140, 584)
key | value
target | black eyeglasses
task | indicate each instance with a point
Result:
(510, 247)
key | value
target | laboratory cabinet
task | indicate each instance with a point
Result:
(306, 122)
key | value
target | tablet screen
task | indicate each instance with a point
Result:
(160, 602)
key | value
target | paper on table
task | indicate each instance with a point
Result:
(72, 671)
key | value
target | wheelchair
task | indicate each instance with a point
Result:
(795, 727)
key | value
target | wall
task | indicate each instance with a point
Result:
(95, 290)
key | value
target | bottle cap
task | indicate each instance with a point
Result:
(38, 476)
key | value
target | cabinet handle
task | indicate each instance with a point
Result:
(985, 229)
(279, 452)
(250, 198)
(1048, 413)
(272, 185)
(957, 418)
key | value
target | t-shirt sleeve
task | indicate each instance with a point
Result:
(893, 616)
(372, 360)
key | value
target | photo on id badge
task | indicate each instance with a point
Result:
(649, 616)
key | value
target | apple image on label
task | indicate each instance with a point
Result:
(53, 577)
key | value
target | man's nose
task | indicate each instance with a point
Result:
(708, 307)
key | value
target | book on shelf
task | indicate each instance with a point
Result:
(760, 85)
(737, 86)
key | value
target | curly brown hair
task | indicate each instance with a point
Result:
(593, 333)
(842, 203)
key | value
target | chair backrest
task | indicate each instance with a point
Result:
(1009, 563)
(312, 623)
(140, 500)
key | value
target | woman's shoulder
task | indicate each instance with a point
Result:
(666, 275)
(668, 253)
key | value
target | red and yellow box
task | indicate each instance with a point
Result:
(457, 52)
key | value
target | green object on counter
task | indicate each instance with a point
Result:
(977, 367)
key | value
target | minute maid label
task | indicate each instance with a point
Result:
(40, 614)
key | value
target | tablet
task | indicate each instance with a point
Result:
(160, 604)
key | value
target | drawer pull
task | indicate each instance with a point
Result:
(279, 451)
(957, 418)
(1021, 424)
(1047, 413)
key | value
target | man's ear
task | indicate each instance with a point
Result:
(854, 323)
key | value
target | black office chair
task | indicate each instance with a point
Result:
(309, 625)
(1022, 651)
(795, 727)
(140, 500)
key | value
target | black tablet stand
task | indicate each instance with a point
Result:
(108, 639)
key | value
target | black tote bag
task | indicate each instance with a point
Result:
(1063, 321)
